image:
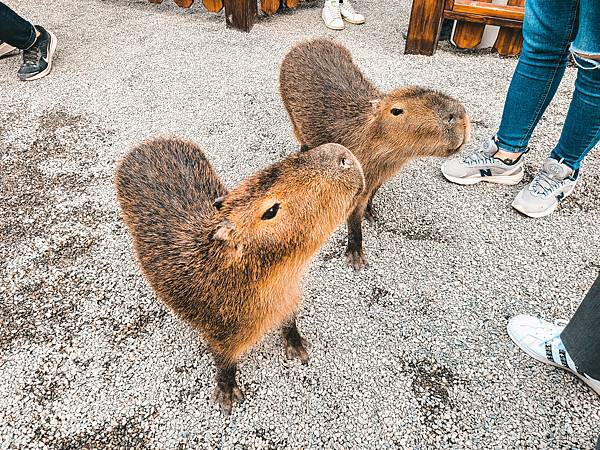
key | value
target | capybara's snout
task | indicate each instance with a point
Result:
(455, 120)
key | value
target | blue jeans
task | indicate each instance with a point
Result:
(15, 30)
(552, 29)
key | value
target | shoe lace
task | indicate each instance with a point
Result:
(478, 158)
(31, 56)
(544, 184)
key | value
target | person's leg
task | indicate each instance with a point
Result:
(548, 29)
(581, 130)
(15, 30)
(582, 334)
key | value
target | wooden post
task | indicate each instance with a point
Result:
(510, 40)
(213, 6)
(240, 14)
(269, 7)
(468, 34)
(424, 27)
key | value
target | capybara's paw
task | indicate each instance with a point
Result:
(370, 214)
(356, 259)
(226, 396)
(297, 349)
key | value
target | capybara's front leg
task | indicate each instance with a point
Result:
(370, 213)
(227, 391)
(295, 345)
(354, 252)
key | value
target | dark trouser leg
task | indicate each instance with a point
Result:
(227, 391)
(295, 345)
(582, 335)
(15, 30)
(598, 444)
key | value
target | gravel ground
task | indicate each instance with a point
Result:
(410, 353)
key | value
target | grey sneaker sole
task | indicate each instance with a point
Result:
(537, 357)
(545, 212)
(498, 179)
(51, 50)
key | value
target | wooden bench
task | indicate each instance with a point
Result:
(427, 16)
(239, 14)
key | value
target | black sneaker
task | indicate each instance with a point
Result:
(37, 59)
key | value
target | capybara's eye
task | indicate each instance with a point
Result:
(397, 111)
(218, 203)
(271, 212)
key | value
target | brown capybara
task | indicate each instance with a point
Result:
(230, 263)
(328, 99)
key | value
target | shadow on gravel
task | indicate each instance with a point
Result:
(47, 221)
(123, 432)
(431, 386)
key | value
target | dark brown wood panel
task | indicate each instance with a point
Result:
(488, 20)
(481, 8)
(424, 27)
(241, 14)
(509, 40)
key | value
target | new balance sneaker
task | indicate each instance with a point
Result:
(349, 15)
(482, 165)
(541, 340)
(332, 15)
(7, 50)
(37, 59)
(554, 182)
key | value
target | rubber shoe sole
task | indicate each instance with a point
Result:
(354, 22)
(593, 386)
(7, 50)
(47, 70)
(497, 179)
(547, 211)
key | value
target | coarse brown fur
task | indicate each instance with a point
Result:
(328, 99)
(213, 257)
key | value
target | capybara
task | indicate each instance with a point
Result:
(328, 99)
(230, 263)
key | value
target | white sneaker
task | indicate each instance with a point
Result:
(349, 15)
(6, 49)
(541, 340)
(554, 182)
(332, 16)
(482, 165)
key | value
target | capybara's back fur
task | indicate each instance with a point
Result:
(230, 263)
(325, 93)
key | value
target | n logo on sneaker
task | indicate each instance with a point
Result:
(485, 172)
(560, 196)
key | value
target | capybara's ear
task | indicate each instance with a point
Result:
(224, 230)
